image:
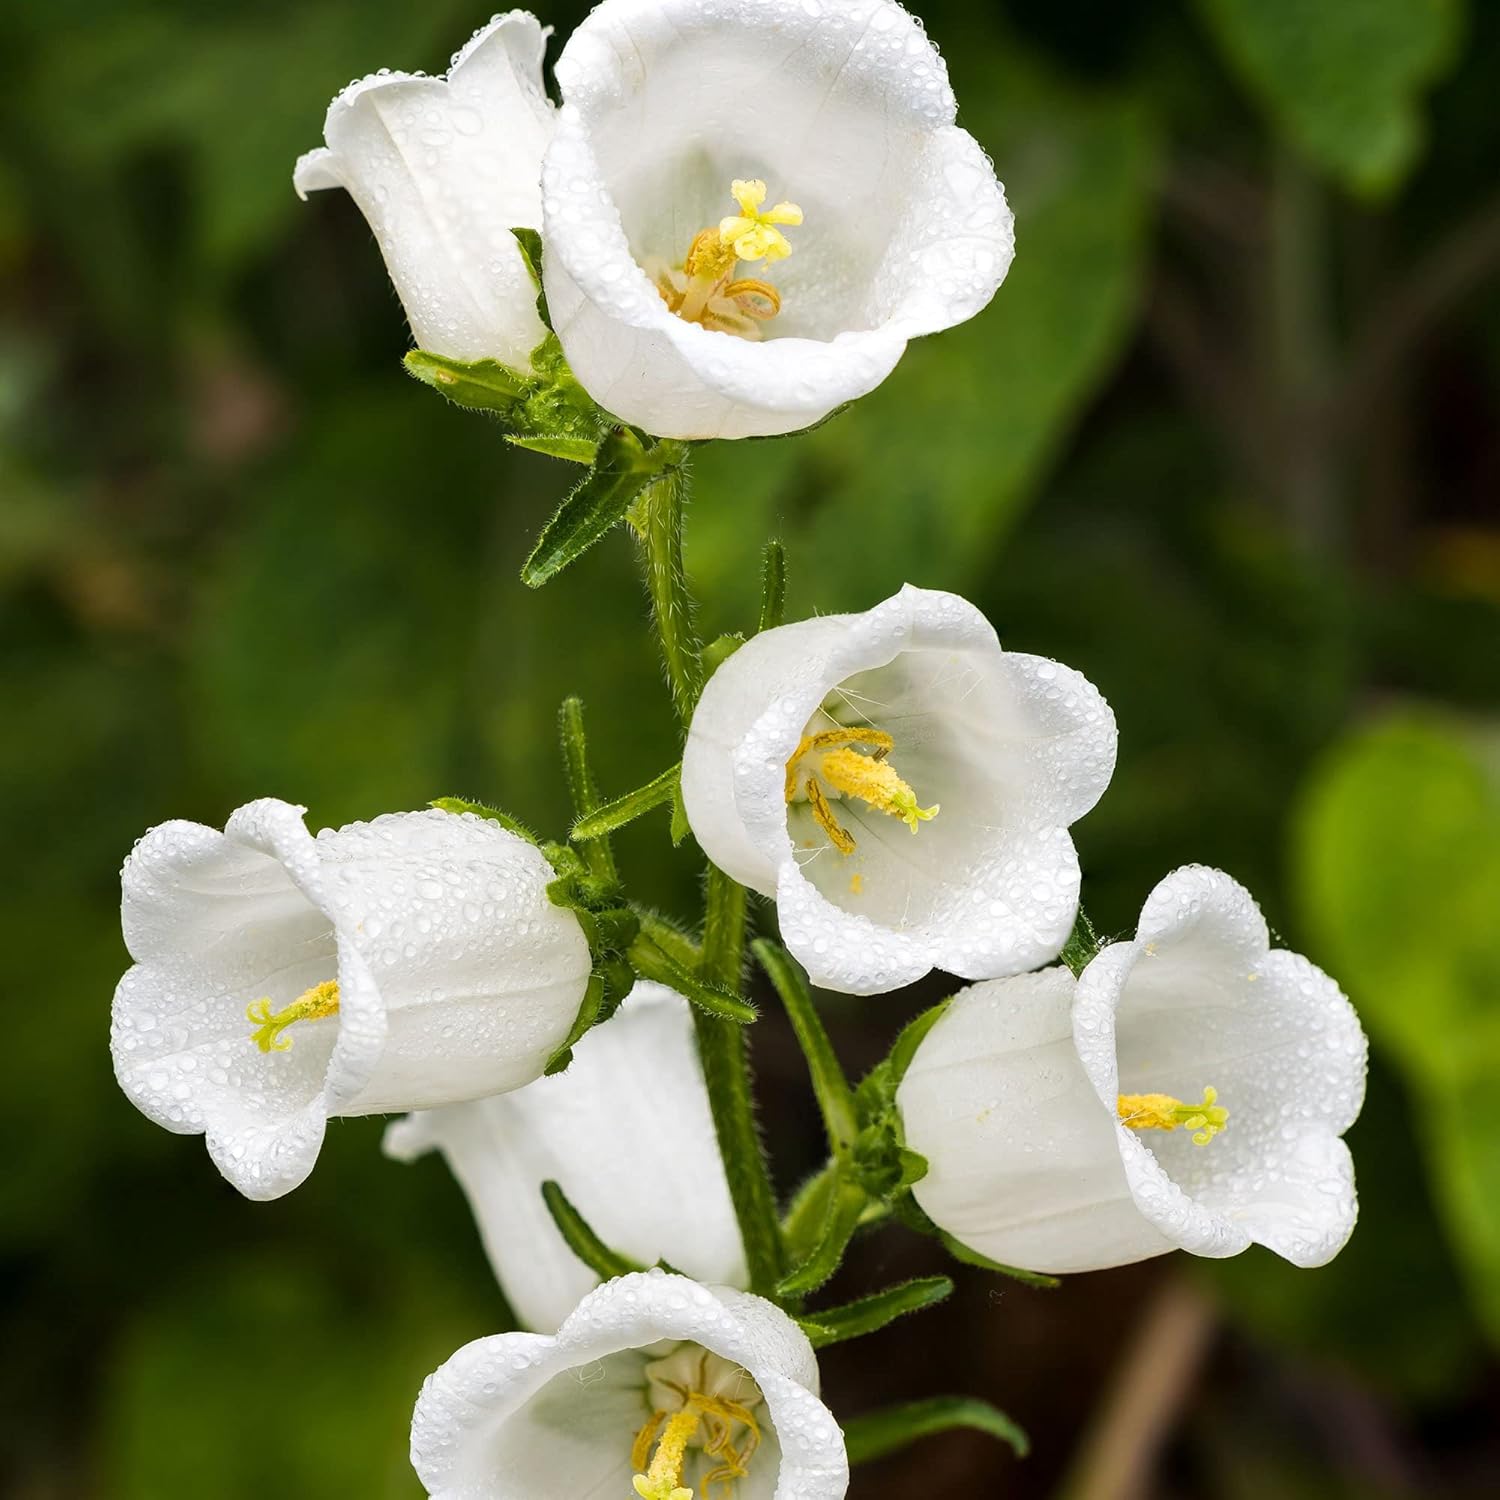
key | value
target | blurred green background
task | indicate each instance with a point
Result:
(1227, 441)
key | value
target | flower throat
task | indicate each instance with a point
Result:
(705, 289)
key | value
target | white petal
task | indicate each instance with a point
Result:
(481, 975)
(488, 1421)
(443, 169)
(846, 109)
(1013, 747)
(1197, 999)
(626, 1131)
(217, 921)
(1022, 1161)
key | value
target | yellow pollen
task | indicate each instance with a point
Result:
(829, 756)
(706, 290)
(671, 1437)
(1165, 1112)
(311, 1005)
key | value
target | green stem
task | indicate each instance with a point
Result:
(721, 1044)
(660, 525)
(726, 1069)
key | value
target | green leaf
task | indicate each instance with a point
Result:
(624, 468)
(836, 1325)
(830, 1086)
(486, 385)
(605, 1263)
(845, 1206)
(1398, 851)
(876, 1434)
(1342, 79)
(483, 810)
(575, 450)
(657, 792)
(656, 964)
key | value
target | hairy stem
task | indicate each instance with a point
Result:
(660, 526)
(721, 1044)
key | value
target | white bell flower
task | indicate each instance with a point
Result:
(902, 787)
(443, 169)
(684, 304)
(655, 1386)
(281, 979)
(638, 1159)
(1189, 1092)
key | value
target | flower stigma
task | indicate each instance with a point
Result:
(695, 1412)
(1164, 1112)
(706, 291)
(829, 759)
(311, 1005)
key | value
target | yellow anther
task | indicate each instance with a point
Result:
(311, 1005)
(829, 756)
(1165, 1112)
(754, 234)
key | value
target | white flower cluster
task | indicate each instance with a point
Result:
(674, 114)
(895, 782)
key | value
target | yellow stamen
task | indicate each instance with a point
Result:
(705, 291)
(671, 1436)
(829, 756)
(311, 1005)
(1165, 1112)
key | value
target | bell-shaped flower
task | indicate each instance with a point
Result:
(902, 787)
(444, 169)
(1189, 1091)
(686, 305)
(625, 1131)
(280, 979)
(655, 1386)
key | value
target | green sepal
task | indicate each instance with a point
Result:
(846, 1206)
(719, 650)
(680, 828)
(836, 1325)
(575, 450)
(529, 241)
(605, 1263)
(657, 792)
(483, 385)
(595, 505)
(772, 587)
(909, 1212)
(654, 963)
(482, 810)
(583, 1023)
(1082, 946)
(878, 1433)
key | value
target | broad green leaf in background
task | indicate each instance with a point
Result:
(1399, 859)
(1343, 79)
(917, 481)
